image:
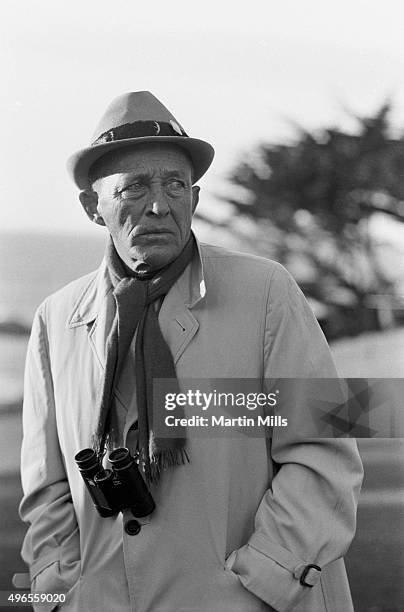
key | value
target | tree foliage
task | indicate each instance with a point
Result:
(308, 205)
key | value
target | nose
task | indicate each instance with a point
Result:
(157, 206)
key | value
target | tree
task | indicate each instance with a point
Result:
(309, 204)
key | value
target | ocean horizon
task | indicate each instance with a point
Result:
(34, 265)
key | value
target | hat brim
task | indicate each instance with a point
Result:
(200, 152)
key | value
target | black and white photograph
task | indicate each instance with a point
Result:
(202, 306)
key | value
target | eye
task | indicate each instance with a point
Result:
(175, 186)
(133, 190)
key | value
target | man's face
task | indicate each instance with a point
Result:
(146, 200)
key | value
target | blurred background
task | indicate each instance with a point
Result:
(304, 104)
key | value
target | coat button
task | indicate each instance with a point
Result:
(132, 527)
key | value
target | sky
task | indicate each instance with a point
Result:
(234, 74)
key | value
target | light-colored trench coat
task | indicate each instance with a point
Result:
(227, 535)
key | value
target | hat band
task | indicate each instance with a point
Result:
(139, 129)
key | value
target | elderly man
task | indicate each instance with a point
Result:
(240, 523)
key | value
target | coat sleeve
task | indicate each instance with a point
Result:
(308, 516)
(51, 546)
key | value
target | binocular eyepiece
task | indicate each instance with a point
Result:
(118, 489)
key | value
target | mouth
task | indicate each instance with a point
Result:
(151, 232)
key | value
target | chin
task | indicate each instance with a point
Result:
(154, 257)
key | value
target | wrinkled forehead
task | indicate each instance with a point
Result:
(145, 158)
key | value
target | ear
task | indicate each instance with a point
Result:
(195, 197)
(89, 201)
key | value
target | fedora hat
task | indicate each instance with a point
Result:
(136, 118)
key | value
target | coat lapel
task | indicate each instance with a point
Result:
(177, 323)
(100, 328)
(95, 310)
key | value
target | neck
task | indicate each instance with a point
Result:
(142, 271)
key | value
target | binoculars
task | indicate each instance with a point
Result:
(115, 490)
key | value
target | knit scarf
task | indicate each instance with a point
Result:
(135, 309)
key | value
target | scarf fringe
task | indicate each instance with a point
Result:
(165, 459)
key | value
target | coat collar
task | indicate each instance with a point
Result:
(190, 287)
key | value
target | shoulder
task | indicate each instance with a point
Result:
(222, 261)
(266, 279)
(64, 300)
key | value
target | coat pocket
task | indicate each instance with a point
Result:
(50, 580)
(241, 599)
(72, 603)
